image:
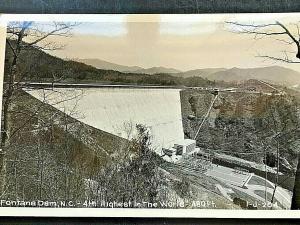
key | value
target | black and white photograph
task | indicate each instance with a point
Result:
(161, 111)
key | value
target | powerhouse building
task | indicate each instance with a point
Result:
(182, 147)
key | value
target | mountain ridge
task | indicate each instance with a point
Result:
(157, 69)
(274, 74)
(102, 64)
(48, 68)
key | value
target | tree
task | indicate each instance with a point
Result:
(133, 173)
(21, 37)
(288, 34)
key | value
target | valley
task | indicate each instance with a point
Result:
(112, 132)
(167, 113)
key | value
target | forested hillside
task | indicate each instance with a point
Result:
(245, 125)
(42, 67)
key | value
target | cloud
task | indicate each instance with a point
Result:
(101, 28)
(190, 24)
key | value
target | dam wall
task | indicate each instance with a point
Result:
(119, 110)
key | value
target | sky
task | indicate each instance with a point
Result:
(183, 42)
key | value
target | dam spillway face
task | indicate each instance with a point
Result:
(118, 110)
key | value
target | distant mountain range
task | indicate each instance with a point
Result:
(155, 70)
(101, 64)
(201, 72)
(44, 67)
(104, 65)
(274, 74)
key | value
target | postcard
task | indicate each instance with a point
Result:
(150, 115)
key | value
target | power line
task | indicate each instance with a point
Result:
(206, 115)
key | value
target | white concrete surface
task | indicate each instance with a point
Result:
(113, 109)
(227, 175)
(283, 196)
(238, 181)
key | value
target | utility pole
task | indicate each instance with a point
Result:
(296, 191)
(276, 182)
(266, 196)
(207, 114)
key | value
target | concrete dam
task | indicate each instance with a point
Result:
(118, 110)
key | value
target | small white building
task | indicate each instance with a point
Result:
(182, 147)
(185, 146)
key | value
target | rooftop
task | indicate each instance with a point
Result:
(186, 142)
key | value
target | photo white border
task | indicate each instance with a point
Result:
(148, 213)
(121, 212)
